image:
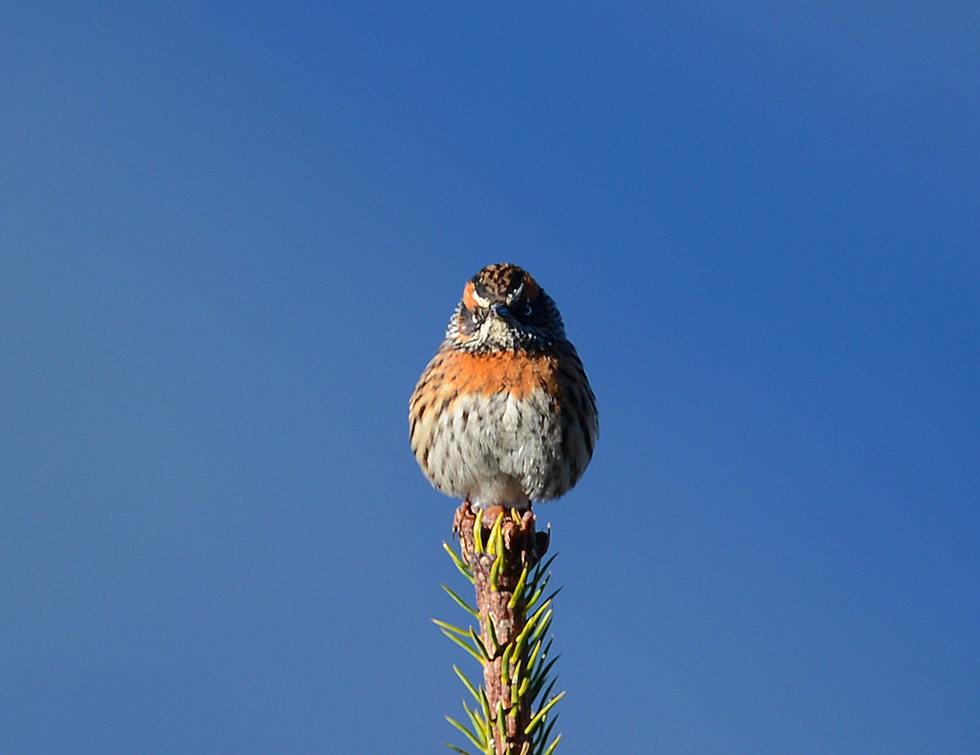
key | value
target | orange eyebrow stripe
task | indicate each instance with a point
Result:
(531, 288)
(468, 301)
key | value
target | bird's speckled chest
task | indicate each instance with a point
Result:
(504, 414)
(490, 425)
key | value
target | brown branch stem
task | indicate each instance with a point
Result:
(500, 622)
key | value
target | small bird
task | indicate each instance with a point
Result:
(504, 414)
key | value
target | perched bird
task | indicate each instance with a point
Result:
(504, 414)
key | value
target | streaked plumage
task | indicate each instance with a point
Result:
(504, 414)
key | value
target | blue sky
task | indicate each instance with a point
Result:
(230, 238)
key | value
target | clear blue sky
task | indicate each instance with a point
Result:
(231, 235)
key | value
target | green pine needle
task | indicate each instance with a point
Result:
(554, 593)
(546, 565)
(518, 589)
(532, 657)
(547, 692)
(544, 734)
(501, 726)
(554, 744)
(479, 725)
(505, 664)
(495, 541)
(481, 648)
(463, 568)
(485, 704)
(498, 563)
(454, 748)
(515, 677)
(450, 627)
(491, 629)
(467, 683)
(525, 634)
(538, 592)
(462, 603)
(540, 580)
(466, 732)
(540, 679)
(543, 626)
(542, 713)
(466, 647)
(522, 691)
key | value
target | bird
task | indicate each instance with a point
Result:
(504, 414)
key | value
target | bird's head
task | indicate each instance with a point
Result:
(503, 308)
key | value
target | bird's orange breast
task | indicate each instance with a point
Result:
(518, 374)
